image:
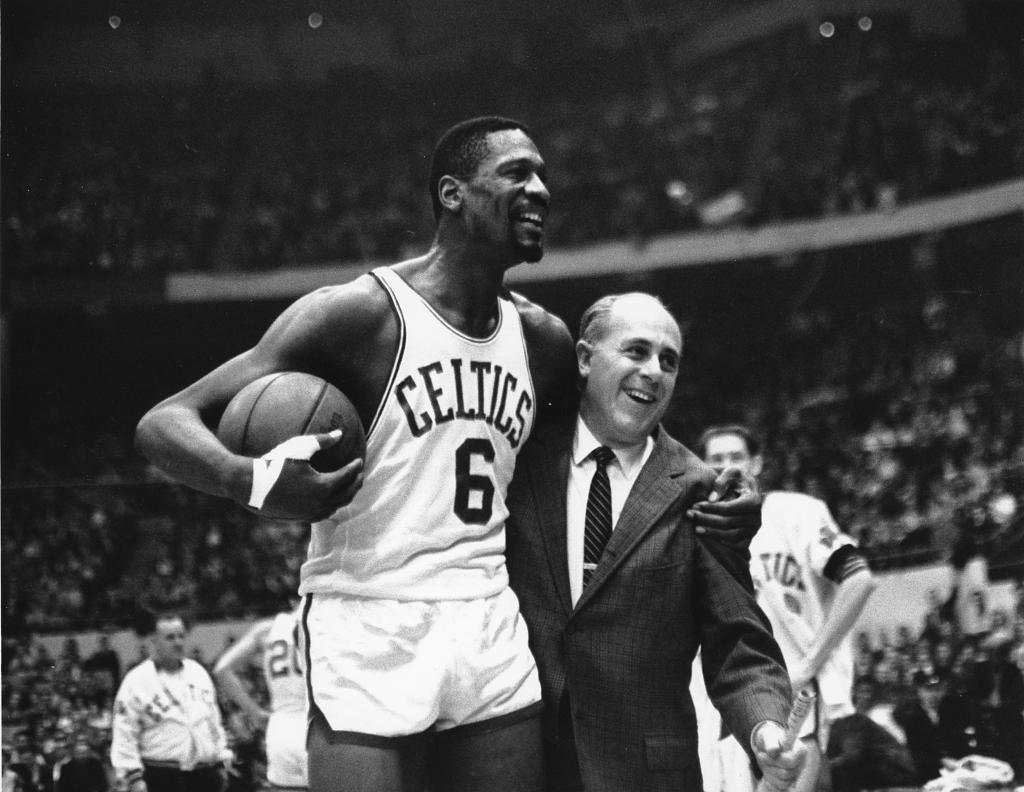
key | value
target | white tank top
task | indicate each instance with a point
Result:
(282, 667)
(428, 523)
(788, 557)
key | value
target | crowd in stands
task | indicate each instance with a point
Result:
(58, 716)
(894, 391)
(903, 410)
(89, 554)
(108, 182)
(944, 691)
(55, 707)
(224, 176)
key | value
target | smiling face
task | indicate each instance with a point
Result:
(505, 201)
(629, 368)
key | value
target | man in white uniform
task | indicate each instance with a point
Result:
(812, 582)
(273, 642)
(167, 733)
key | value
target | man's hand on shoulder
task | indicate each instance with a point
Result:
(732, 512)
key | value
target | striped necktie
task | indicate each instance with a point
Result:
(598, 525)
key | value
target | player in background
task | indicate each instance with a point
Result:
(274, 642)
(418, 664)
(813, 583)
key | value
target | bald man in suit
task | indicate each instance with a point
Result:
(615, 627)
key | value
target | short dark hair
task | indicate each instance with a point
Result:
(753, 444)
(460, 149)
(146, 619)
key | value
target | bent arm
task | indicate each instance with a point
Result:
(742, 663)
(225, 671)
(850, 599)
(176, 435)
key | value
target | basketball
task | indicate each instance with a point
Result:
(268, 411)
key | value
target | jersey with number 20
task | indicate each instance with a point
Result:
(428, 523)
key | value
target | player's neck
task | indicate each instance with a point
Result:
(168, 666)
(463, 292)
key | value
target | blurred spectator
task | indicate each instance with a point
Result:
(934, 723)
(82, 771)
(999, 687)
(105, 663)
(28, 763)
(864, 755)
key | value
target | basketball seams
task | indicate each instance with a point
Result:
(252, 411)
(270, 410)
(317, 404)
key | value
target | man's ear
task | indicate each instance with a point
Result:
(584, 352)
(449, 191)
(756, 465)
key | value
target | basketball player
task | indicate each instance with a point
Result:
(274, 642)
(417, 659)
(812, 582)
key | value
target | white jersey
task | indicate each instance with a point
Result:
(428, 523)
(286, 728)
(788, 556)
(165, 716)
(282, 665)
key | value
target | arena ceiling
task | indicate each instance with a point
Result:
(42, 13)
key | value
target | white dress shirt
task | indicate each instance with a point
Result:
(623, 471)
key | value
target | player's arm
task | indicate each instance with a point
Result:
(552, 359)
(849, 569)
(237, 656)
(176, 437)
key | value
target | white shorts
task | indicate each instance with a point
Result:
(287, 765)
(392, 668)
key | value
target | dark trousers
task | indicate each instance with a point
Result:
(170, 779)
(561, 762)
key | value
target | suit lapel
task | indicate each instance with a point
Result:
(659, 485)
(549, 477)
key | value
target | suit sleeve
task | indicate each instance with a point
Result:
(745, 674)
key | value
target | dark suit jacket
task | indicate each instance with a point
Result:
(623, 654)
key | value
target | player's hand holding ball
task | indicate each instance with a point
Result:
(307, 440)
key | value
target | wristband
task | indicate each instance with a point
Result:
(265, 473)
(267, 468)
